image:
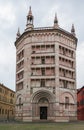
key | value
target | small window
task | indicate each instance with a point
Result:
(66, 99)
(19, 103)
(19, 100)
(6, 111)
(2, 111)
(66, 102)
(1, 90)
(11, 101)
(65, 84)
(43, 71)
(42, 83)
(43, 60)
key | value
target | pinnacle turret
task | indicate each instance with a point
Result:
(73, 30)
(18, 34)
(30, 19)
(56, 21)
(30, 11)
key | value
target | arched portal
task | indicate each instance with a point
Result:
(43, 105)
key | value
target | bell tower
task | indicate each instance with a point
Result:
(30, 18)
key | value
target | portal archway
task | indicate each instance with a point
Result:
(43, 105)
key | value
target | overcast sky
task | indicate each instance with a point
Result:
(13, 15)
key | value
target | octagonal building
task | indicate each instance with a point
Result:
(45, 73)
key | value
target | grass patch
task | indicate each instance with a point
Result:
(43, 126)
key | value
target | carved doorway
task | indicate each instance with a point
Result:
(43, 113)
(43, 104)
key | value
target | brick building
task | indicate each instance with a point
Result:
(7, 103)
(45, 73)
(80, 103)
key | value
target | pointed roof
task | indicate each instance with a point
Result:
(55, 19)
(30, 16)
(73, 29)
(30, 11)
(18, 32)
(30, 19)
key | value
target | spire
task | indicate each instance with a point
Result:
(18, 34)
(73, 30)
(30, 12)
(56, 21)
(30, 19)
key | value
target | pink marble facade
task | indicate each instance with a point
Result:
(46, 74)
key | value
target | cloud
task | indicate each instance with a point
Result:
(7, 16)
(7, 66)
(80, 65)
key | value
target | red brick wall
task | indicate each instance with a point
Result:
(80, 104)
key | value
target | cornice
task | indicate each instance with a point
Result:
(46, 31)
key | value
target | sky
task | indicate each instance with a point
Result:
(13, 15)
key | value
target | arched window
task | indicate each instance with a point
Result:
(2, 111)
(66, 102)
(19, 100)
(20, 103)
